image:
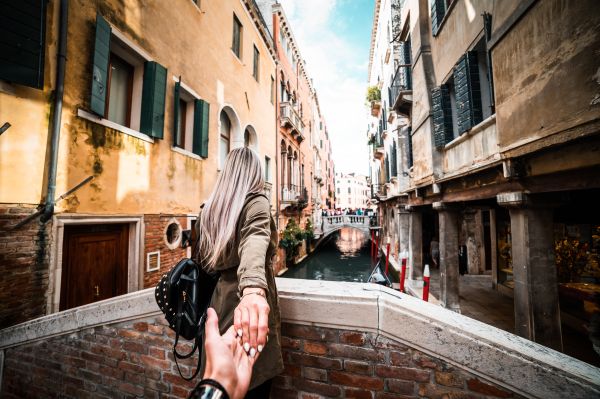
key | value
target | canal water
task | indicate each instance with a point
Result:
(344, 257)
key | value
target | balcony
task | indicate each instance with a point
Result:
(293, 197)
(290, 119)
(375, 108)
(378, 191)
(400, 92)
(379, 151)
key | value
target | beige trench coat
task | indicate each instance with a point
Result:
(252, 266)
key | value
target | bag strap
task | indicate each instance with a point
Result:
(197, 345)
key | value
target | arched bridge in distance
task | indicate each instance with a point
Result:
(332, 224)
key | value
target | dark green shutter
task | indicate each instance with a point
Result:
(394, 159)
(22, 39)
(201, 114)
(176, 131)
(468, 92)
(153, 100)
(410, 147)
(438, 9)
(442, 116)
(387, 167)
(100, 68)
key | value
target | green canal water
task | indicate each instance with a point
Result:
(344, 257)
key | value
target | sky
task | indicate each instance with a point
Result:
(334, 37)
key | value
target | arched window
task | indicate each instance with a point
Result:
(246, 138)
(283, 167)
(224, 139)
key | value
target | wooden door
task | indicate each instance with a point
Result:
(94, 263)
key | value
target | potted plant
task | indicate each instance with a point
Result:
(291, 238)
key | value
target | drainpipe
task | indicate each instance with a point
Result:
(61, 58)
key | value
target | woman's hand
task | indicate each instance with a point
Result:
(226, 360)
(251, 320)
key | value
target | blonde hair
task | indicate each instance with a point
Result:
(241, 175)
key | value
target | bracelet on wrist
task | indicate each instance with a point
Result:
(259, 293)
(209, 389)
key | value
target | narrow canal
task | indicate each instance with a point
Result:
(344, 257)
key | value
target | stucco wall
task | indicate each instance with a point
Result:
(132, 175)
(546, 73)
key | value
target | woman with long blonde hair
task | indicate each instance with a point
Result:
(238, 239)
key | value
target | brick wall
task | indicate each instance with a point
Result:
(155, 226)
(133, 359)
(23, 266)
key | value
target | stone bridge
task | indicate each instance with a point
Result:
(335, 223)
(340, 340)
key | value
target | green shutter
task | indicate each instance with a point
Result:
(22, 33)
(468, 92)
(394, 159)
(100, 67)
(442, 116)
(387, 167)
(176, 131)
(438, 9)
(153, 100)
(410, 148)
(201, 114)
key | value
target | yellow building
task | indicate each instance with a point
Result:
(155, 95)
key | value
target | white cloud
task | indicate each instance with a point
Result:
(339, 73)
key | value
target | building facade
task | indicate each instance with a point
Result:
(499, 153)
(304, 165)
(155, 96)
(352, 191)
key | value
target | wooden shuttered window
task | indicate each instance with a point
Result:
(153, 100)
(438, 10)
(387, 167)
(176, 132)
(100, 67)
(201, 115)
(442, 116)
(22, 40)
(468, 92)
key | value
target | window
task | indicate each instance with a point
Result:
(349, 190)
(127, 88)
(338, 190)
(267, 169)
(439, 8)
(225, 135)
(256, 65)
(191, 121)
(23, 32)
(236, 44)
(272, 90)
(120, 86)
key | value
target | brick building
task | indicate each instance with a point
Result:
(499, 152)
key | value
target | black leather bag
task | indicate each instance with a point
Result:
(183, 295)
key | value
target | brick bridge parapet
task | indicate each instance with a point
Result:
(344, 340)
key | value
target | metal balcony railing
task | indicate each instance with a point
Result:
(402, 82)
(290, 193)
(378, 191)
(290, 118)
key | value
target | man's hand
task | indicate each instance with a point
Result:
(226, 360)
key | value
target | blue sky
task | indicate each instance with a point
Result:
(334, 38)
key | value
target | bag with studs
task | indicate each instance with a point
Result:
(183, 295)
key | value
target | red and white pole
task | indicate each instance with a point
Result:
(387, 255)
(426, 277)
(376, 246)
(372, 245)
(402, 274)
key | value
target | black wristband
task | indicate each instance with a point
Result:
(202, 391)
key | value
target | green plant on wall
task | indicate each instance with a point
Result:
(291, 239)
(373, 94)
(309, 231)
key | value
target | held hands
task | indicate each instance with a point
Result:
(226, 360)
(251, 320)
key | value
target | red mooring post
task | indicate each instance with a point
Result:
(387, 256)
(402, 274)
(426, 283)
(372, 245)
(376, 246)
